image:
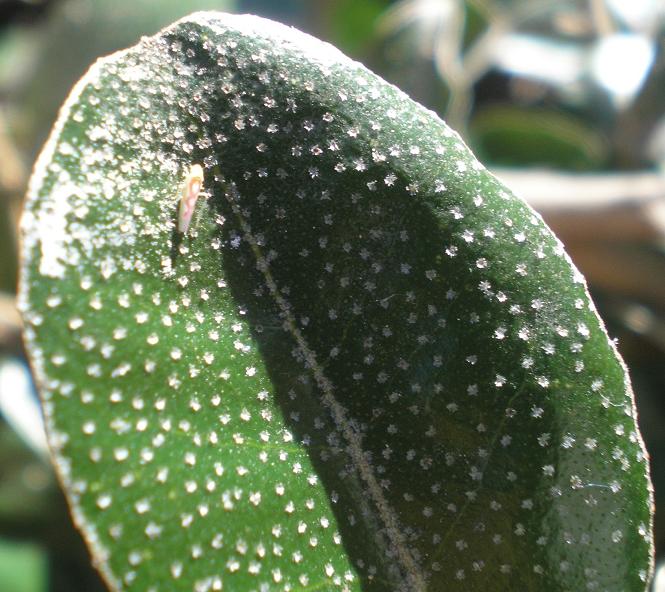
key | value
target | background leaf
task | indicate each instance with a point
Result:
(506, 135)
(22, 567)
(368, 366)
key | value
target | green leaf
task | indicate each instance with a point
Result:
(22, 567)
(366, 366)
(351, 22)
(511, 136)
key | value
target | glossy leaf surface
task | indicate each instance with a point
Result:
(366, 365)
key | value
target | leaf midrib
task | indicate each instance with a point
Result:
(415, 578)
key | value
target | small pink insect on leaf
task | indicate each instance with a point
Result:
(190, 193)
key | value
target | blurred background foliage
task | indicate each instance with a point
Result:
(565, 99)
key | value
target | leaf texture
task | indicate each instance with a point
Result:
(365, 366)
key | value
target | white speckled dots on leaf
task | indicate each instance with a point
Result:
(363, 365)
